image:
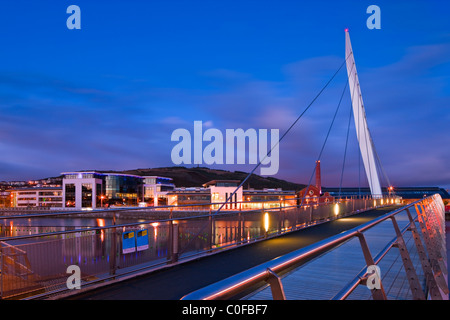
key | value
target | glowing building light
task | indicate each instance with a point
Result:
(266, 221)
(155, 227)
(101, 223)
(336, 209)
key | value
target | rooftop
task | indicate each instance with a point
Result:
(230, 183)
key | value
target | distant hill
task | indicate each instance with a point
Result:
(196, 177)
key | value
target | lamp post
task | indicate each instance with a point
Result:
(390, 190)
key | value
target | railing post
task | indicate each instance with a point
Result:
(280, 219)
(2, 269)
(276, 286)
(438, 230)
(169, 243)
(239, 233)
(113, 252)
(174, 241)
(432, 249)
(416, 288)
(377, 294)
(435, 241)
(428, 272)
(210, 233)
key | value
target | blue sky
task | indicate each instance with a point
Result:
(109, 96)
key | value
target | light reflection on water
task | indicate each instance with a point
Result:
(19, 227)
(93, 250)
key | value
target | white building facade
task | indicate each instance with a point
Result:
(221, 190)
(37, 197)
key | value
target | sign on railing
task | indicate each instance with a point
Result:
(128, 242)
(142, 240)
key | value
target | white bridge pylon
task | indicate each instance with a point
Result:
(362, 130)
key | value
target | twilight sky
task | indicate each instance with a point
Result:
(110, 95)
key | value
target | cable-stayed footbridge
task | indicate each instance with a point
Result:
(369, 247)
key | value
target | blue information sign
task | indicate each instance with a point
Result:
(128, 242)
(142, 240)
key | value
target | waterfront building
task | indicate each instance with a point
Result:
(268, 198)
(189, 196)
(218, 191)
(156, 190)
(221, 190)
(314, 194)
(215, 191)
(94, 189)
(36, 197)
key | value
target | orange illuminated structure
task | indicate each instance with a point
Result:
(313, 193)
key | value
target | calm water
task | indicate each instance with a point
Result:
(28, 226)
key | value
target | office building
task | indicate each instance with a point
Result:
(36, 197)
(97, 189)
(94, 189)
(218, 191)
(156, 189)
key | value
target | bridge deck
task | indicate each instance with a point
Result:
(323, 277)
(175, 282)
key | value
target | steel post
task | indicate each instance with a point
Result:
(377, 294)
(276, 286)
(174, 242)
(431, 284)
(416, 288)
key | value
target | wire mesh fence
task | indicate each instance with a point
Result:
(35, 262)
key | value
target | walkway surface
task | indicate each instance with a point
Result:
(174, 282)
(324, 277)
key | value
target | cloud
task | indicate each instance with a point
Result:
(407, 107)
(54, 125)
(405, 104)
(73, 126)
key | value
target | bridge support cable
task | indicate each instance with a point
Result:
(380, 165)
(346, 144)
(326, 139)
(282, 137)
(230, 197)
(345, 150)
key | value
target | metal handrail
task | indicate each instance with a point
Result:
(132, 224)
(230, 287)
(172, 207)
(172, 254)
